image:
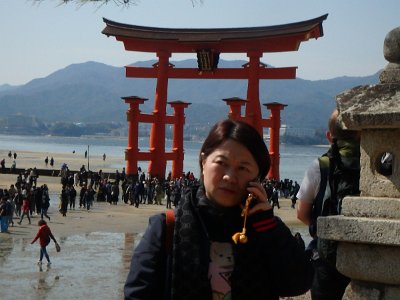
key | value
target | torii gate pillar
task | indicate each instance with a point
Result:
(177, 143)
(235, 108)
(274, 131)
(253, 110)
(132, 150)
(158, 164)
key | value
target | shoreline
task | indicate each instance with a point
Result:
(31, 159)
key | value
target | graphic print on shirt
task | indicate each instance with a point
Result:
(220, 270)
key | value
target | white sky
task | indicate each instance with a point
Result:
(37, 40)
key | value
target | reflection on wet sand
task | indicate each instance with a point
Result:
(127, 252)
(45, 282)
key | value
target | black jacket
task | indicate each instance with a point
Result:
(270, 265)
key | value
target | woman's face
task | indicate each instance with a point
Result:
(227, 171)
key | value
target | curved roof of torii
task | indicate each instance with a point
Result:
(277, 38)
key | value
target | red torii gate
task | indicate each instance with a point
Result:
(208, 44)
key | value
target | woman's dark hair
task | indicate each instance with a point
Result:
(241, 133)
(42, 222)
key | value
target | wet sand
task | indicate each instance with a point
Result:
(96, 246)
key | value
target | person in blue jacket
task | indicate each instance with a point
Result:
(204, 261)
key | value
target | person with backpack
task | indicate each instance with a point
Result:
(223, 241)
(328, 180)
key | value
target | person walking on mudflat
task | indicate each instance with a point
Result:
(44, 235)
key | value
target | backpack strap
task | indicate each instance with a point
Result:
(318, 201)
(169, 233)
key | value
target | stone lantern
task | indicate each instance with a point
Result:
(368, 231)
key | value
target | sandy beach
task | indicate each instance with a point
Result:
(122, 219)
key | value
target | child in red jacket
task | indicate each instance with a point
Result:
(44, 234)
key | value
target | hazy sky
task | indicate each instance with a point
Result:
(37, 40)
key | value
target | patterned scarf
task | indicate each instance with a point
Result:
(192, 235)
(187, 265)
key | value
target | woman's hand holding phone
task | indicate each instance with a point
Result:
(256, 201)
(260, 198)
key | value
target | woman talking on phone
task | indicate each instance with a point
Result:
(226, 242)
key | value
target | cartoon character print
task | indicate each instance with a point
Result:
(220, 270)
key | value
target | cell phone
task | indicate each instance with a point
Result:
(256, 179)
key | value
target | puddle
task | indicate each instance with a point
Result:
(94, 264)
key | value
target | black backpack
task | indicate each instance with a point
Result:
(340, 177)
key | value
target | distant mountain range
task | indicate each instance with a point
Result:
(91, 92)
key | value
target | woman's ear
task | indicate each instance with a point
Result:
(203, 161)
(203, 158)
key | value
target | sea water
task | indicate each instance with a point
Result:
(294, 159)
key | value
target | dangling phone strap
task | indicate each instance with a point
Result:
(241, 236)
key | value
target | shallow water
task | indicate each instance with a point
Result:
(294, 159)
(93, 265)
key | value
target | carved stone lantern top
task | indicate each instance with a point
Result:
(375, 106)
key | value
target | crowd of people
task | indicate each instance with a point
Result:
(25, 198)
(132, 190)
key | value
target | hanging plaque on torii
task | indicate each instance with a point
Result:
(207, 44)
